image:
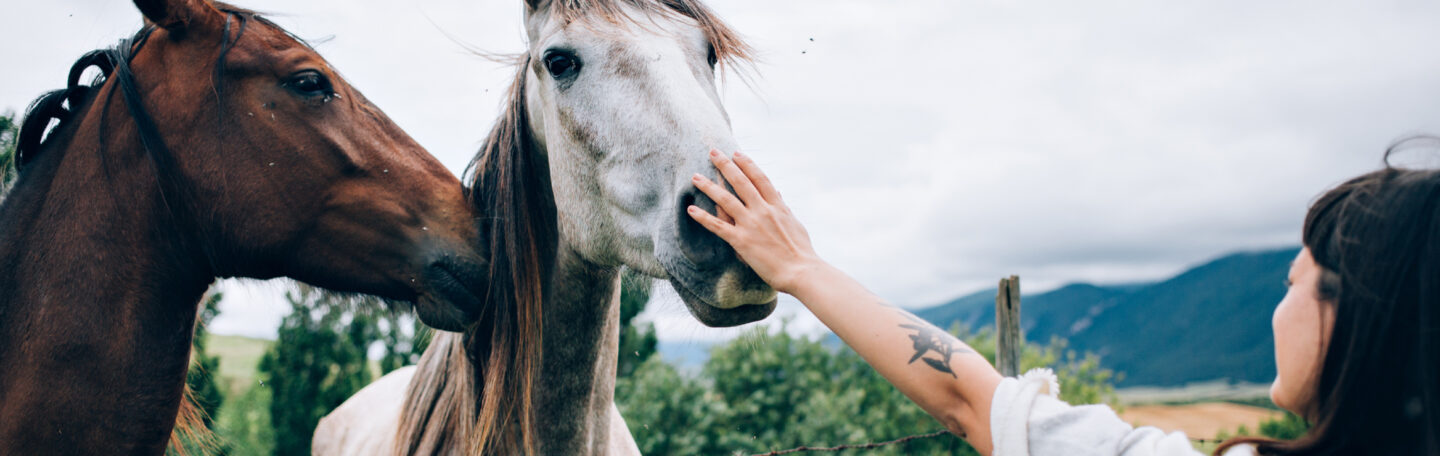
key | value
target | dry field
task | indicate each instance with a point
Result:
(1203, 420)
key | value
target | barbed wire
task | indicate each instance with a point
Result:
(873, 445)
(859, 446)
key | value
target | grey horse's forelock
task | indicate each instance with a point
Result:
(729, 47)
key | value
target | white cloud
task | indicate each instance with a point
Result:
(934, 146)
(251, 308)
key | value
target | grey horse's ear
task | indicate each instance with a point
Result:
(536, 12)
(179, 16)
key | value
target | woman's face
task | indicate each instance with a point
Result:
(1302, 325)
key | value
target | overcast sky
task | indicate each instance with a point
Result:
(932, 147)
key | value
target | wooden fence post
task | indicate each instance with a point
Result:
(1008, 342)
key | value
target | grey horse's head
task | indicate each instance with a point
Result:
(622, 96)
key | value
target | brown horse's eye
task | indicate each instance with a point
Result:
(562, 64)
(311, 84)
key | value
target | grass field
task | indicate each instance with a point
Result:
(1212, 391)
(238, 357)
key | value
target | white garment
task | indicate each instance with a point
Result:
(1028, 418)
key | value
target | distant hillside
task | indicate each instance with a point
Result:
(1063, 311)
(1210, 322)
(687, 355)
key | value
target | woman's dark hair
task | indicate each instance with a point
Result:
(1377, 241)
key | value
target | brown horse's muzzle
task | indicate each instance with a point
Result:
(451, 292)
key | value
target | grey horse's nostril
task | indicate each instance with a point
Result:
(704, 249)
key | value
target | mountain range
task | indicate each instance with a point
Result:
(1208, 323)
(1211, 322)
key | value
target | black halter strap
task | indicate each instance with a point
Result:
(61, 105)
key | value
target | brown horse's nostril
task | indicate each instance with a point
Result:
(458, 284)
(704, 249)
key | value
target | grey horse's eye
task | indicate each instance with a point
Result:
(562, 64)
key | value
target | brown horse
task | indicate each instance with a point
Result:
(214, 144)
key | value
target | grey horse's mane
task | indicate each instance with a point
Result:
(471, 392)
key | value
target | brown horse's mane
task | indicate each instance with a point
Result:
(64, 105)
(471, 393)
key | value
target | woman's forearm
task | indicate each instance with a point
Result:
(939, 372)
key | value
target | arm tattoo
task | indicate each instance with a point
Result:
(928, 339)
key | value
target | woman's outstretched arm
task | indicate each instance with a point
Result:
(937, 371)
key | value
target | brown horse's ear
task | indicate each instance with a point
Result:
(179, 16)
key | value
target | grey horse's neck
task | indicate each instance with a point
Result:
(574, 389)
(581, 342)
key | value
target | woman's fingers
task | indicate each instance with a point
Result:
(735, 177)
(724, 216)
(710, 222)
(723, 199)
(758, 177)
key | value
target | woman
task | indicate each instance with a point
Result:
(1357, 336)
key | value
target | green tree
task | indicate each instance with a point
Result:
(200, 379)
(9, 136)
(637, 342)
(1288, 427)
(244, 423)
(319, 359)
(669, 413)
(401, 348)
(204, 366)
(764, 392)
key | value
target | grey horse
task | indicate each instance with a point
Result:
(613, 108)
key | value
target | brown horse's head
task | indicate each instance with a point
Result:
(287, 170)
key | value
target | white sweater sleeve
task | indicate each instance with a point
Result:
(1028, 418)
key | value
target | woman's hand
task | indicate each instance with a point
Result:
(956, 387)
(757, 224)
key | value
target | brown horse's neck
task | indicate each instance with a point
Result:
(97, 298)
(581, 343)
